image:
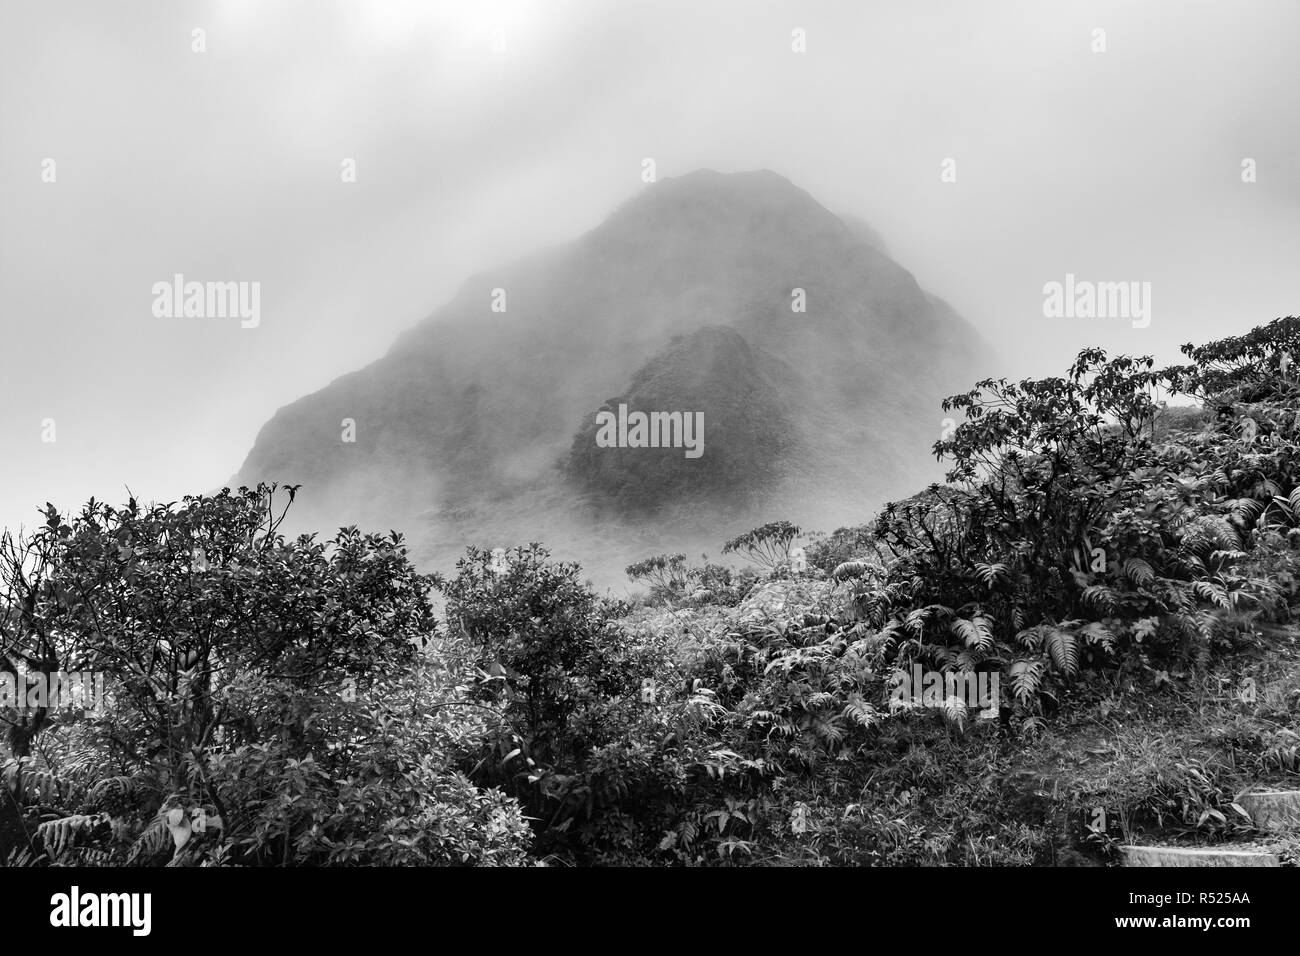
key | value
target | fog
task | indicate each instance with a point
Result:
(483, 131)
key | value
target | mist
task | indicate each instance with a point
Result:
(480, 133)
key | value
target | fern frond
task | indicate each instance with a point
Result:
(1100, 596)
(154, 846)
(849, 569)
(1139, 572)
(1063, 650)
(1032, 726)
(1216, 594)
(1097, 633)
(954, 711)
(120, 794)
(990, 574)
(1031, 638)
(30, 786)
(860, 712)
(59, 835)
(827, 730)
(976, 632)
(1026, 679)
(1226, 557)
(1244, 509)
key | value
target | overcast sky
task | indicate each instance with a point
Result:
(1123, 165)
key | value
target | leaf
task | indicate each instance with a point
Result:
(1063, 649)
(1139, 572)
(990, 574)
(1026, 679)
(850, 569)
(915, 622)
(1100, 596)
(1145, 627)
(1214, 593)
(1095, 632)
(976, 632)
(860, 711)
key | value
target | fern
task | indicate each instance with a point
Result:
(1027, 679)
(1031, 638)
(1097, 633)
(827, 730)
(60, 835)
(1220, 558)
(850, 569)
(954, 711)
(1139, 572)
(1100, 596)
(1217, 594)
(860, 711)
(1063, 650)
(153, 846)
(1032, 726)
(30, 786)
(1243, 510)
(118, 795)
(976, 632)
(991, 574)
(819, 700)
(915, 623)
(1210, 532)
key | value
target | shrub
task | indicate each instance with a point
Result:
(765, 546)
(224, 647)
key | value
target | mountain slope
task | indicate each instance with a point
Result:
(466, 429)
(746, 423)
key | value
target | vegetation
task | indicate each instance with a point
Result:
(1127, 570)
(271, 689)
(767, 546)
(747, 430)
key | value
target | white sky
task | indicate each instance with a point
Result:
(225, 165)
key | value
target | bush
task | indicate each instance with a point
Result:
(226, 647)
(1068, 537)
(671, 579)
(272, 705)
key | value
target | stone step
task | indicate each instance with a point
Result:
(1196, 856)
(1272, 809)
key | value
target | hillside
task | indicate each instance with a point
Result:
(1080, 651)
(466, 429)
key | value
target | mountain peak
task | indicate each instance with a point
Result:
(815, 364)
(753, 181)
(725, 201)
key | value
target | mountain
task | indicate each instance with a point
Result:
(480, 426)
(742, 398)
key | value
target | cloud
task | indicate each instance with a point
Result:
(225, 166)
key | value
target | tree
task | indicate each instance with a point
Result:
(218, 637)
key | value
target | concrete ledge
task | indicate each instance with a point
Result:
(1273, 810)
(1195, 856)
